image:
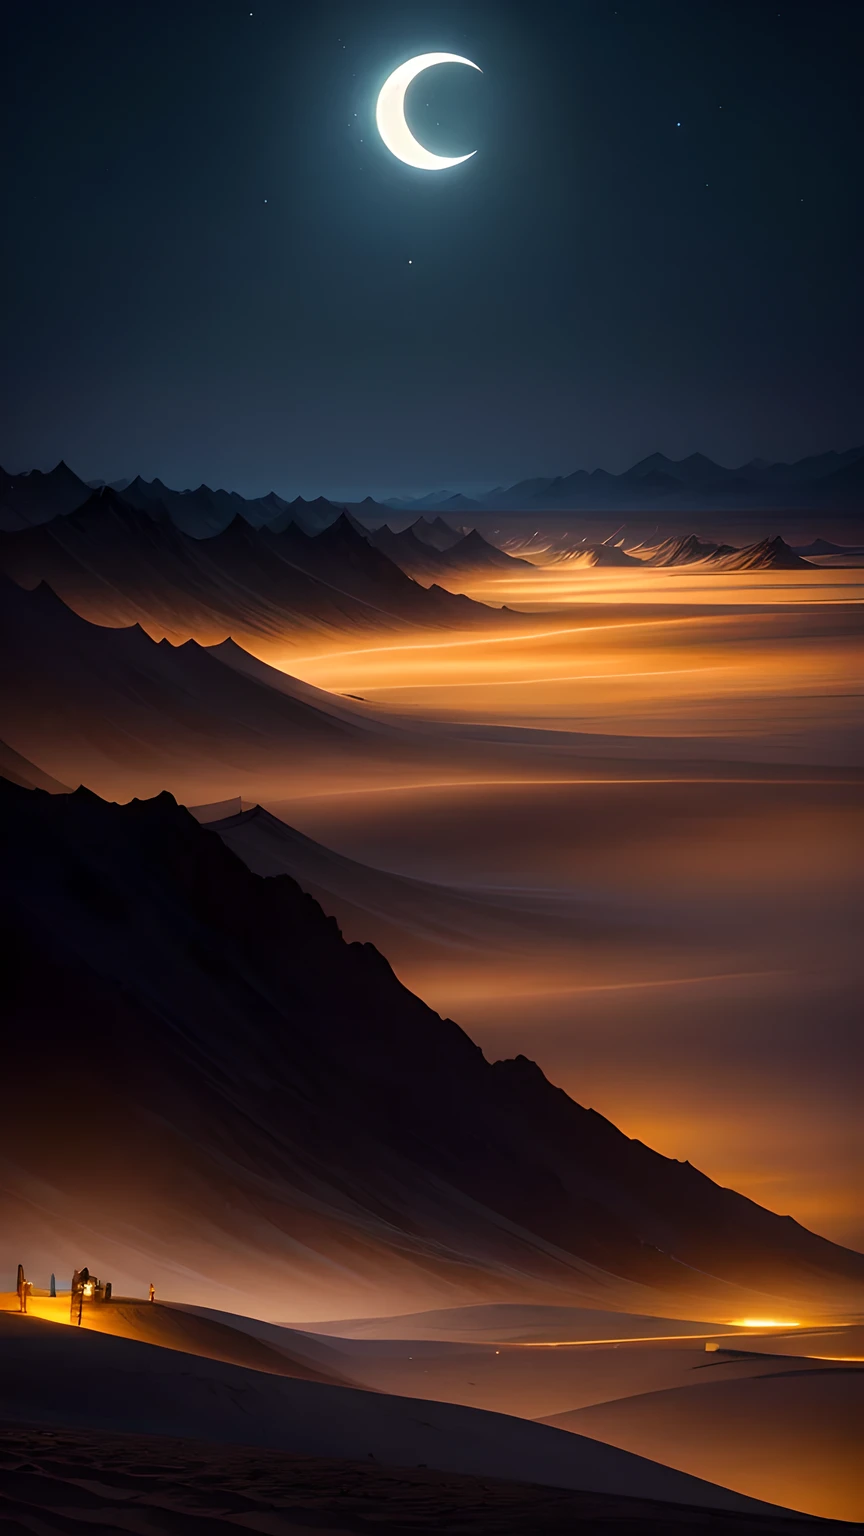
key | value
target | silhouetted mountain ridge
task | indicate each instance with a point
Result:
(311, 1112)
(465, 555)
(118, 563)
(832, 481)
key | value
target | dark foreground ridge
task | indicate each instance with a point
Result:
(190, 1487)
(200, 1052)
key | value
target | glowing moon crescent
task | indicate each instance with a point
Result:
(390, 114)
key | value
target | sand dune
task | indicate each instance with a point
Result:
(209, 1335)
(798, 1430)
(53, 1375)
(686, 550)
(537, 1362)
(634, 1395)
(191, 1486)
(503, 1322)
(533, 1382)
(499, 1356)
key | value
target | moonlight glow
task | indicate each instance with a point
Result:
(390, 114)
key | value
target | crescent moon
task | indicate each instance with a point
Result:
(390, 114)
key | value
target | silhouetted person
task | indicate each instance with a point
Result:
(21, 1289)
(80, 1279)
(152, 1291)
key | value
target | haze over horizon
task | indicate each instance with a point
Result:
(697, 468)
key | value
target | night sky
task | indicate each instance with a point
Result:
(213, 270)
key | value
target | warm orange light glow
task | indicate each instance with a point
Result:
(646, 1338)
(763, 1322)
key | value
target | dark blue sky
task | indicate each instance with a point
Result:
(206, 260)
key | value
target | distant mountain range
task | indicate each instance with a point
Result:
(33, 498)
(828, 481)
(120, 564)
(657, 483)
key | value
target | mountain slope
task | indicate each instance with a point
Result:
(593, 555)
(204, 512)
(687, 550)
(768, 555)
(419, 560)
(19, 770)
(118, 564)
(474, 553)
(406, 918)
(435, 532)
(35, 497)
(115, 708)
(469, 555)
(271, 1106)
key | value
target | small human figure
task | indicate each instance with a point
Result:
(152, 1291)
